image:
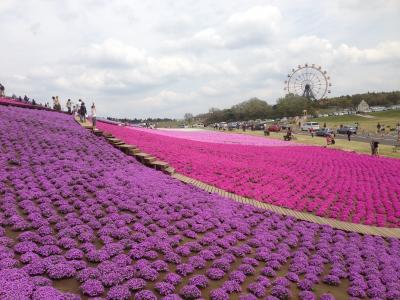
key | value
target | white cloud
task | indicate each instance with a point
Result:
(309, 44)
(257, 25)
(384, 52)
(111, 53)
(165, 58)
(206, 38)
(254, 26)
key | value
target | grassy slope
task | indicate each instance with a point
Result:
(387, 118)
(360, 147)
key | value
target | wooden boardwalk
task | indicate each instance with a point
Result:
(163, 166)
(364, 229)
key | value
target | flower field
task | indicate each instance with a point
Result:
(13, 102)
(80, 219)
(326, 182)
(219, 137)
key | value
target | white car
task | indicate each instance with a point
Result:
(223, 125)
(308, 125)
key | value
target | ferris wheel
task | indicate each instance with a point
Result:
(309, 81)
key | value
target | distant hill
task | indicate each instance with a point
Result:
(293, 105)
(373, 99)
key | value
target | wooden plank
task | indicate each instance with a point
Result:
(169, 170)
(142, 154)
(149, 159)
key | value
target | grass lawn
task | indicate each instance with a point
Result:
(388, 118)
(360, 147)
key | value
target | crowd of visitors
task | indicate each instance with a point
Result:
(78, 110)
(2, 90)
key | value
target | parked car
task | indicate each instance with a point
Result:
(308, 125)
(259, 126)
(346, 129)
(323, 132)
(232, 125)
(223, 125)
(274, 128)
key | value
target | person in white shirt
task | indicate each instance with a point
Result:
(93, 113)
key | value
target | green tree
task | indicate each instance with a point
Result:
(293, 105)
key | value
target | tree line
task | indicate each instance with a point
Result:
(291, 106)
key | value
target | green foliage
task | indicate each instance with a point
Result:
(293, 105)
(373, 99)
(188, 117)
(248, 110)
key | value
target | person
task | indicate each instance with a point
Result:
(349, 135)
(2, 89)
(312, 132)
(83, 112)
(324, 124)
(54, 102)
(333, 139)
(378, 127)
(69, 106)
(33, 102)
(26, 99)
(288, 135)
(79, 110)
(244, 127)
(58, 104)
(75, 109)
(266, 130)
(93, 113)
(374, 148)
(328, 139)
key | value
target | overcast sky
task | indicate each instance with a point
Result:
(167, 57)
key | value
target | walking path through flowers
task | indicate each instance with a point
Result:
(329, 183)
(359, 228)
